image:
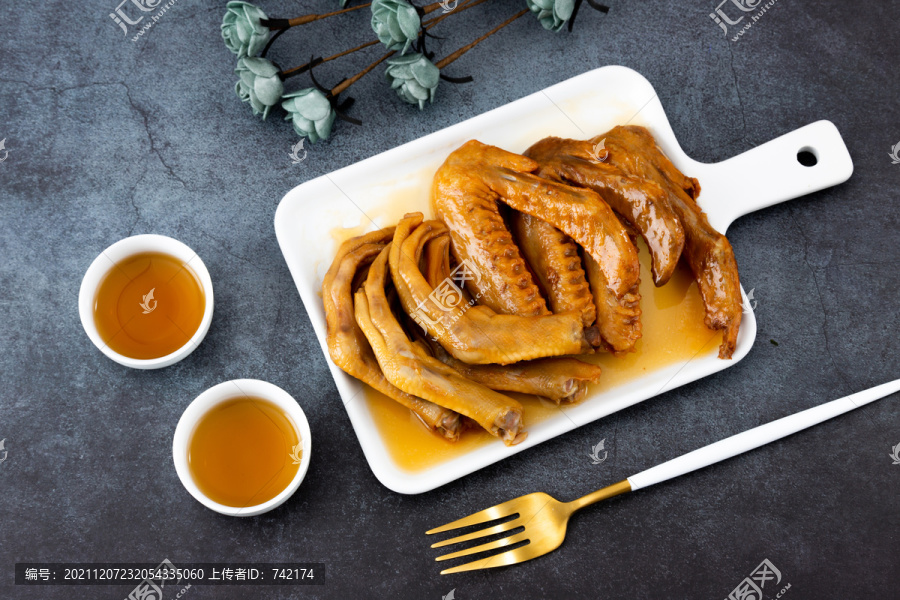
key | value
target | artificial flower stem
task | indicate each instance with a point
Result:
(427, 25)
(346, 52)
(305, 67)
(449, 59)
(348, 82)
(271, 41)
(288, 23)
(310, 18)
(592, 3)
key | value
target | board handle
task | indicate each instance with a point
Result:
(773, 173)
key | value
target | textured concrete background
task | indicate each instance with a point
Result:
(109, 138)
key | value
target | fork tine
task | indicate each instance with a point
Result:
(493, 513)
(507, 541)
(480, 533)
(510, 557)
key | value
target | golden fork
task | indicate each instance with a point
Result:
(545, 518)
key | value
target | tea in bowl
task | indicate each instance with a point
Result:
(242, 447)
(147, 301)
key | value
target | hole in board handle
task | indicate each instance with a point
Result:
(807, 157)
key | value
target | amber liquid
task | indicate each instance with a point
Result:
(149, 305)
(244, 452)
(673, 332)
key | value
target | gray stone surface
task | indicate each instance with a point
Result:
(109, 137)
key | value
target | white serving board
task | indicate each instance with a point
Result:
(376, 192)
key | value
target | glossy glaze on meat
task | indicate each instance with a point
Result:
(556, 262)
(347, 345)
(474, 334)
(709, 254)
(642, 203)
(477, 175)
(407, 366)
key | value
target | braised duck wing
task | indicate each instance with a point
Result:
(411, 369)
(554, 258)
(347, 345)
(468, 206)
(707, 251)
(488, 174)
(473, 334)
(560, 379)
(642, 203)
(619, 319)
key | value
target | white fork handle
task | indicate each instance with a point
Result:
(758, 436)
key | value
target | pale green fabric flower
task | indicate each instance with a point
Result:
(396, 23)
(241, 29)
(414, 77)
(310, 112)
(259, 84)
(553, 14)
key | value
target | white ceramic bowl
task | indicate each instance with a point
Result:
(121, 250)
(229, 390)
